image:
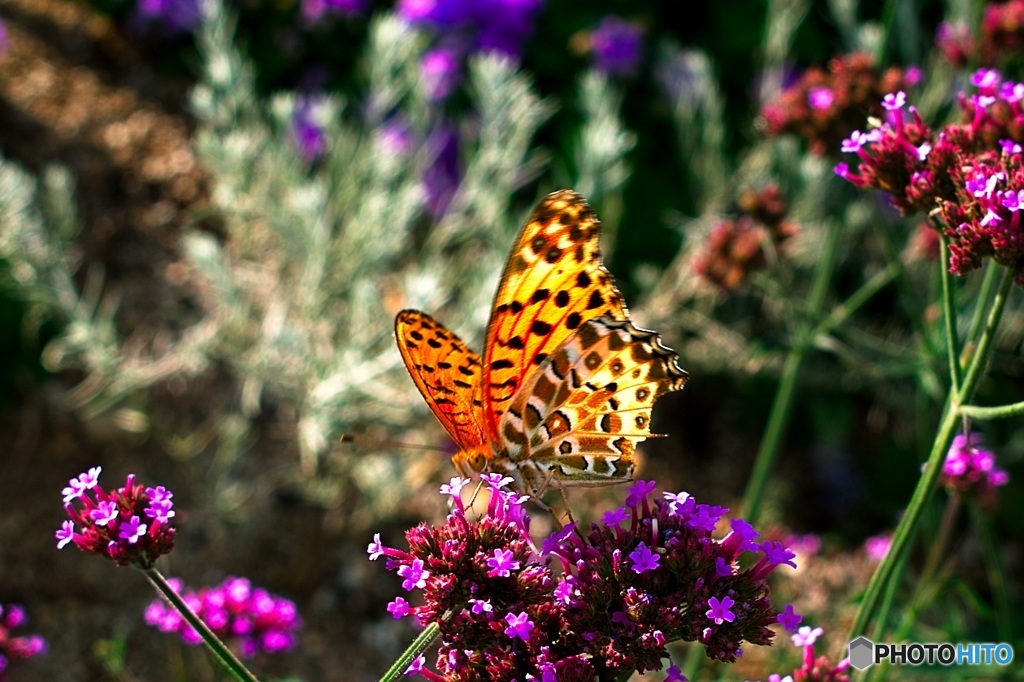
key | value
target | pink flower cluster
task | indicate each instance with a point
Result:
(971, 469)
(130, 525)
(15, 648)
(825, 102)
(249, 619)
(1000, 39)
(969, 177)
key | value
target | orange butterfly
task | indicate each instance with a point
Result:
(565, 389)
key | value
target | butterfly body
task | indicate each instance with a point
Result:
(564, 390)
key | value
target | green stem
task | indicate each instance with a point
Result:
(996, 572)
(782, 405)
(944, 437)
(981, 301)
(1000, 412)
(949, 315)
(220, 650)
(862, 295)
(418, 646)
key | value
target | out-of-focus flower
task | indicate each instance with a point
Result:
(971, 469)
(249, 619)
(1000, 40)
(877, 546)
(738, 247)
(172, 16)
(309, 129)
(131, 525)
(441, 72)
(3, 38)
(624, 591)
(813, 669)
(315, 10)
(617, 46)
(16, 647)
(483, 26)
(824, 103)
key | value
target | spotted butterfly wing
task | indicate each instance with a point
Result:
(578, 418)
(447, 373)
(553, 282)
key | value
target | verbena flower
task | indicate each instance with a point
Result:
(249, 619)
(588, 605)
(16, 647)
(1000, 38)
(131, 525)
(969, 176)
(441, 72)
(825, 102)
(971, 469)
(617, 46)
(738, 247)
(812, 668)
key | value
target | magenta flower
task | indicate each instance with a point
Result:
(109, 524)
(315, 10)
(250, 620)
(623, 592)
(16, 647)
(789, 618)
(719, 611)
(971, 469)
(519, 626)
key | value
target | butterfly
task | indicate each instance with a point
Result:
(564, 390)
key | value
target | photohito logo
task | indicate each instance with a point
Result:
(865, 653)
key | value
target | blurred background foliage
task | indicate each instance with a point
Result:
(207, 227)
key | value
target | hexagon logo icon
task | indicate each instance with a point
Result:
(862, 653)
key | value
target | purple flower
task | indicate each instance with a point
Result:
(453, 488)
(375, 548)
(440, 71)
(492, 26)
(644, 559)
(110, 522)
(398, 608)
(642, 571)
(806, 636)
(615, 517)
(415, 576)
(674, 674)
(309, 132)
(789, 618)
(502, 563)
(132, 530)
(77, 486)
(638, 492)
(719, 610)
(894, 101)
(104, 513)
(249, 619)
(617, 46)
(519, 626)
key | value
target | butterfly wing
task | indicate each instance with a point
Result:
(553, 283)
(578, 418)
(447, 373)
